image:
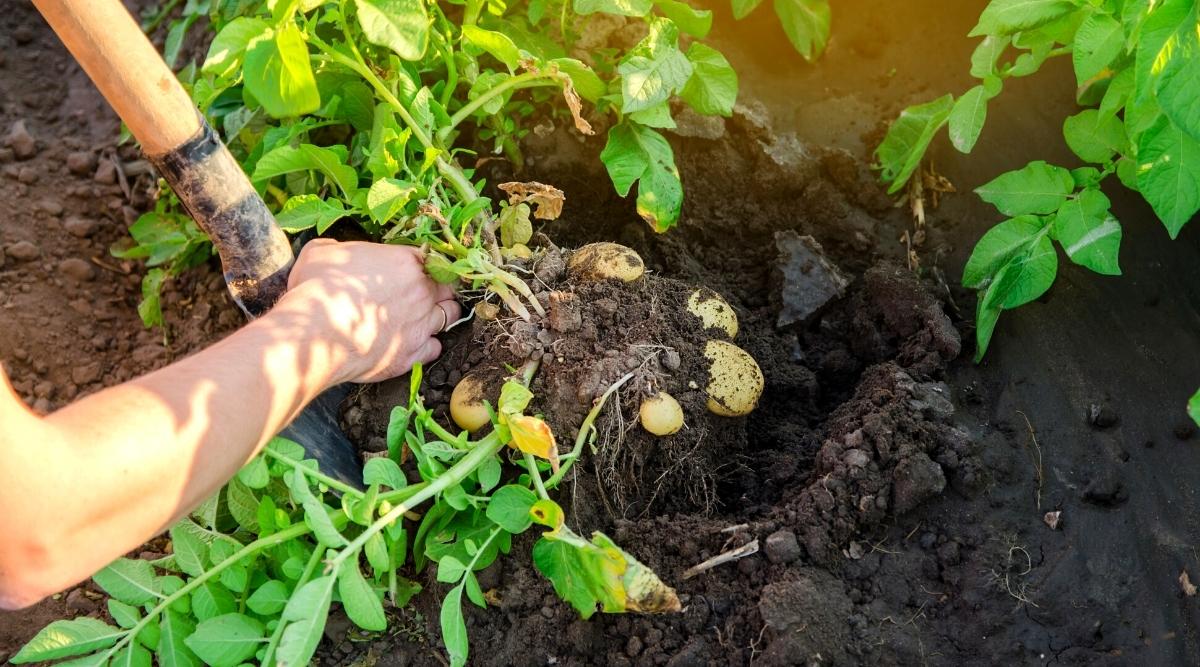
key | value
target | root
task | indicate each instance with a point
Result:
(1036, 456)
(1009, 581)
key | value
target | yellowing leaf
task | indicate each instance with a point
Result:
(533, 436)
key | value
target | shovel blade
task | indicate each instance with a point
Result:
(317, 430)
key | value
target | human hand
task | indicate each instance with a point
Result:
(374, 300)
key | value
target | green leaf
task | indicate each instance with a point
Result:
(1169, 173)
(1037, 188)
(987, 54)
(242, 504)
(515, 226)
(1025, 277)
(387, 197)
(305, 157)
(1193, 407)
(172, 649)
(967, 118)
(125, 615)
(499, 45)
(647, 81)
(307, 211)
(398, 423)
(255, 474)
(400, 25)
(908, 138)
(376, 551)
(150, 308)
(742, 8)
(130, 581)
(270, 598)
(1178, 69)
(133, 655)
(489, 473)
(315, 513)
(712, 89)
(190, 552)
(62, 639)
(695, 22)
(583, 574)
(385, 472)
(806, 23)
(1089, 234)
(1004, 17)
(589, 86)
(305, 615)
(211, 599)
(1098, 42)
(997, 246)
(1095, 137)
(509, 508)
(279, 75)
(227, 640)
(618, 7)
(359, 599)
(229, 46)
(634, 153)
(454, 627)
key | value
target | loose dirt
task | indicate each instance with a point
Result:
(896, 491)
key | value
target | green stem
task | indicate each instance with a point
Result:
(455, 474)
(585, 429)
(314, 474)
(536, 476)
(309, 569)
(289, 533)
(526, 80)
(401, 494)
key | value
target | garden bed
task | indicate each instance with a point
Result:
(896, 491)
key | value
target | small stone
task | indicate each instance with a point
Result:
(106, 173)
(23, 251)
(805, 279)
(564, 315)
(80, 603)
(42, 406)
(44, 390)
(23, 35)
(1053, 519)
(671, 360)
(21, 141)
(27, 175)
(77, 269)
(86, 374)
(50, 207)
(782, 547)
(81, 163)
(80, 227)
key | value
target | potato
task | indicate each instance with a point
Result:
(713, 310)
(660, 414)
(600, 261)
(467, 408)
(735, 381)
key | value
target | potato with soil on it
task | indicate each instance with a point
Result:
(661, 414)
(467, 407)
(713, 311)
(735, 381)
(603, 261)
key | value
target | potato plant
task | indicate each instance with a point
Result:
(1137, 66)
(254, 570)
(805, 22)
(368, 112)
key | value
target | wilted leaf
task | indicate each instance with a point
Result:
(546, 199)
(533, 436)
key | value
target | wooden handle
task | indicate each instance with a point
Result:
(124, 65)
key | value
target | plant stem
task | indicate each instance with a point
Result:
(456, 473)
(289, 533)
(401, 494)
(526, 80)
(585, 429)
(536, 476)
(314, 474)
(309, 569)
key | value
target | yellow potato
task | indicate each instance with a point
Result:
(467, 408)
(660, 414)
(713, 310)
(735, 381)
(599, 261)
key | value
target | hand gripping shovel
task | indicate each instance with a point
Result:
(255, 253)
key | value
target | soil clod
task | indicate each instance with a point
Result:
(807, 279)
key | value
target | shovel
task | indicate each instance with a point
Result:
(255, 253)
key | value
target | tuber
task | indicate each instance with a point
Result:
(713, 310)
(660, 414)
(735, 381)
(601, 261)
(467, 408)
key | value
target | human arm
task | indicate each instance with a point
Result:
(96, 479)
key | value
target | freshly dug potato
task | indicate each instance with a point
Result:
(599, 261)
(735, 381)
(466, 403)
(661, 415)
(713, 311)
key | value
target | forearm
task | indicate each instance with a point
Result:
(166, 441)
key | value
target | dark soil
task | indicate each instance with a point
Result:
(892, 528)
